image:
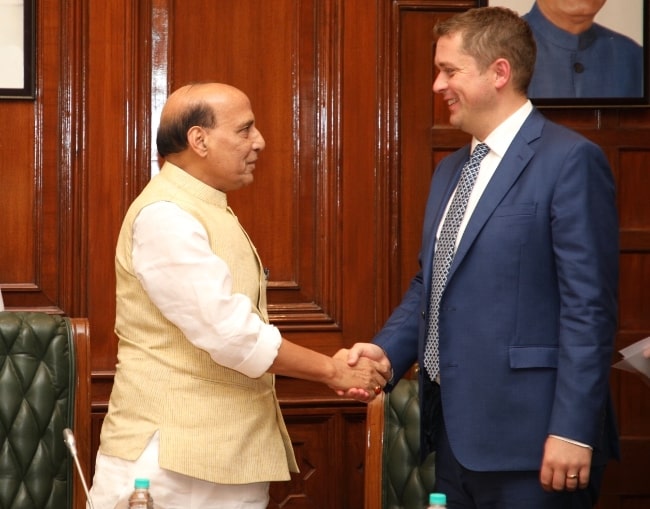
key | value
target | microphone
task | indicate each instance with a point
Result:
(71, 444)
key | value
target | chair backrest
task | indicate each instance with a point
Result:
(44, 388)
(394, 476)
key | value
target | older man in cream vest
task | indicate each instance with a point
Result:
(193, 406)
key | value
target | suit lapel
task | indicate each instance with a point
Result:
(513, 163)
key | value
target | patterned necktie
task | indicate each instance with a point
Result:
(445, 251)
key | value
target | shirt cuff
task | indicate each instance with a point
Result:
(574, 442)
(263, 355)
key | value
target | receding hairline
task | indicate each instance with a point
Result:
(197, 93)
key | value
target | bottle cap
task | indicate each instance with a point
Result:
(437, 498)
(142, 484)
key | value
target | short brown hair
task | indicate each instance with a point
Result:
(489, 33)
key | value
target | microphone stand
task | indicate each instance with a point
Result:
(71, 444)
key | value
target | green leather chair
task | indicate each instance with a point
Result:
(394, 476)
(44, 388)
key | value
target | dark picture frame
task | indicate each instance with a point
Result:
(17, 57)
(641, 100)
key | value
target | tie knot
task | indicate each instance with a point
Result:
(480, 151)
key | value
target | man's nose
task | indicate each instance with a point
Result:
(259, 143)
(439, 84)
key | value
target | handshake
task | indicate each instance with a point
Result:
(362, 372)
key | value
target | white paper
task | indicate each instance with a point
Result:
(634, 360)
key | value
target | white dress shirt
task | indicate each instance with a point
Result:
(192, 287)
(498, 141)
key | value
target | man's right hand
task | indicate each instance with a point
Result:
(360, 354)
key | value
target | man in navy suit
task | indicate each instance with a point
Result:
(519, 413)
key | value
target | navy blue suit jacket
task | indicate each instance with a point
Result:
(528, 316)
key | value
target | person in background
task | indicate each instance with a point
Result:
(193, 406)
(513, 313)
(578, 58)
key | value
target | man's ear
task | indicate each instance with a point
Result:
(502, 72)
(196, 139)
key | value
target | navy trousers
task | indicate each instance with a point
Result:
(467, 489)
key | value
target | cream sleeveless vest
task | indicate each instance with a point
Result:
(215, 423)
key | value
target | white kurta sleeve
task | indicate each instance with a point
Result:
(192, 287)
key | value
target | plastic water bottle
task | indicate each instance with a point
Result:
(437, 501)
(141, 498)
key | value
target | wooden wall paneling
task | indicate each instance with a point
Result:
(159, 37)
(117, 142)
(323, 481)
(291, 210)
(423, 132)
(351, 476)
(416, 74)
(311, 432)
(626, 482)
(19, 207)
(634, 207)
(37, 205)
(69, 114)
(387, 158)
(363, 167)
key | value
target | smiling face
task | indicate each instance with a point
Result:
(468, 91)
(232, 147)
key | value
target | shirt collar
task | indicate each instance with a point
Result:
(500, 138)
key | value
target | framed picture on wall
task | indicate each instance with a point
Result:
(17, 49)
(591, 53)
